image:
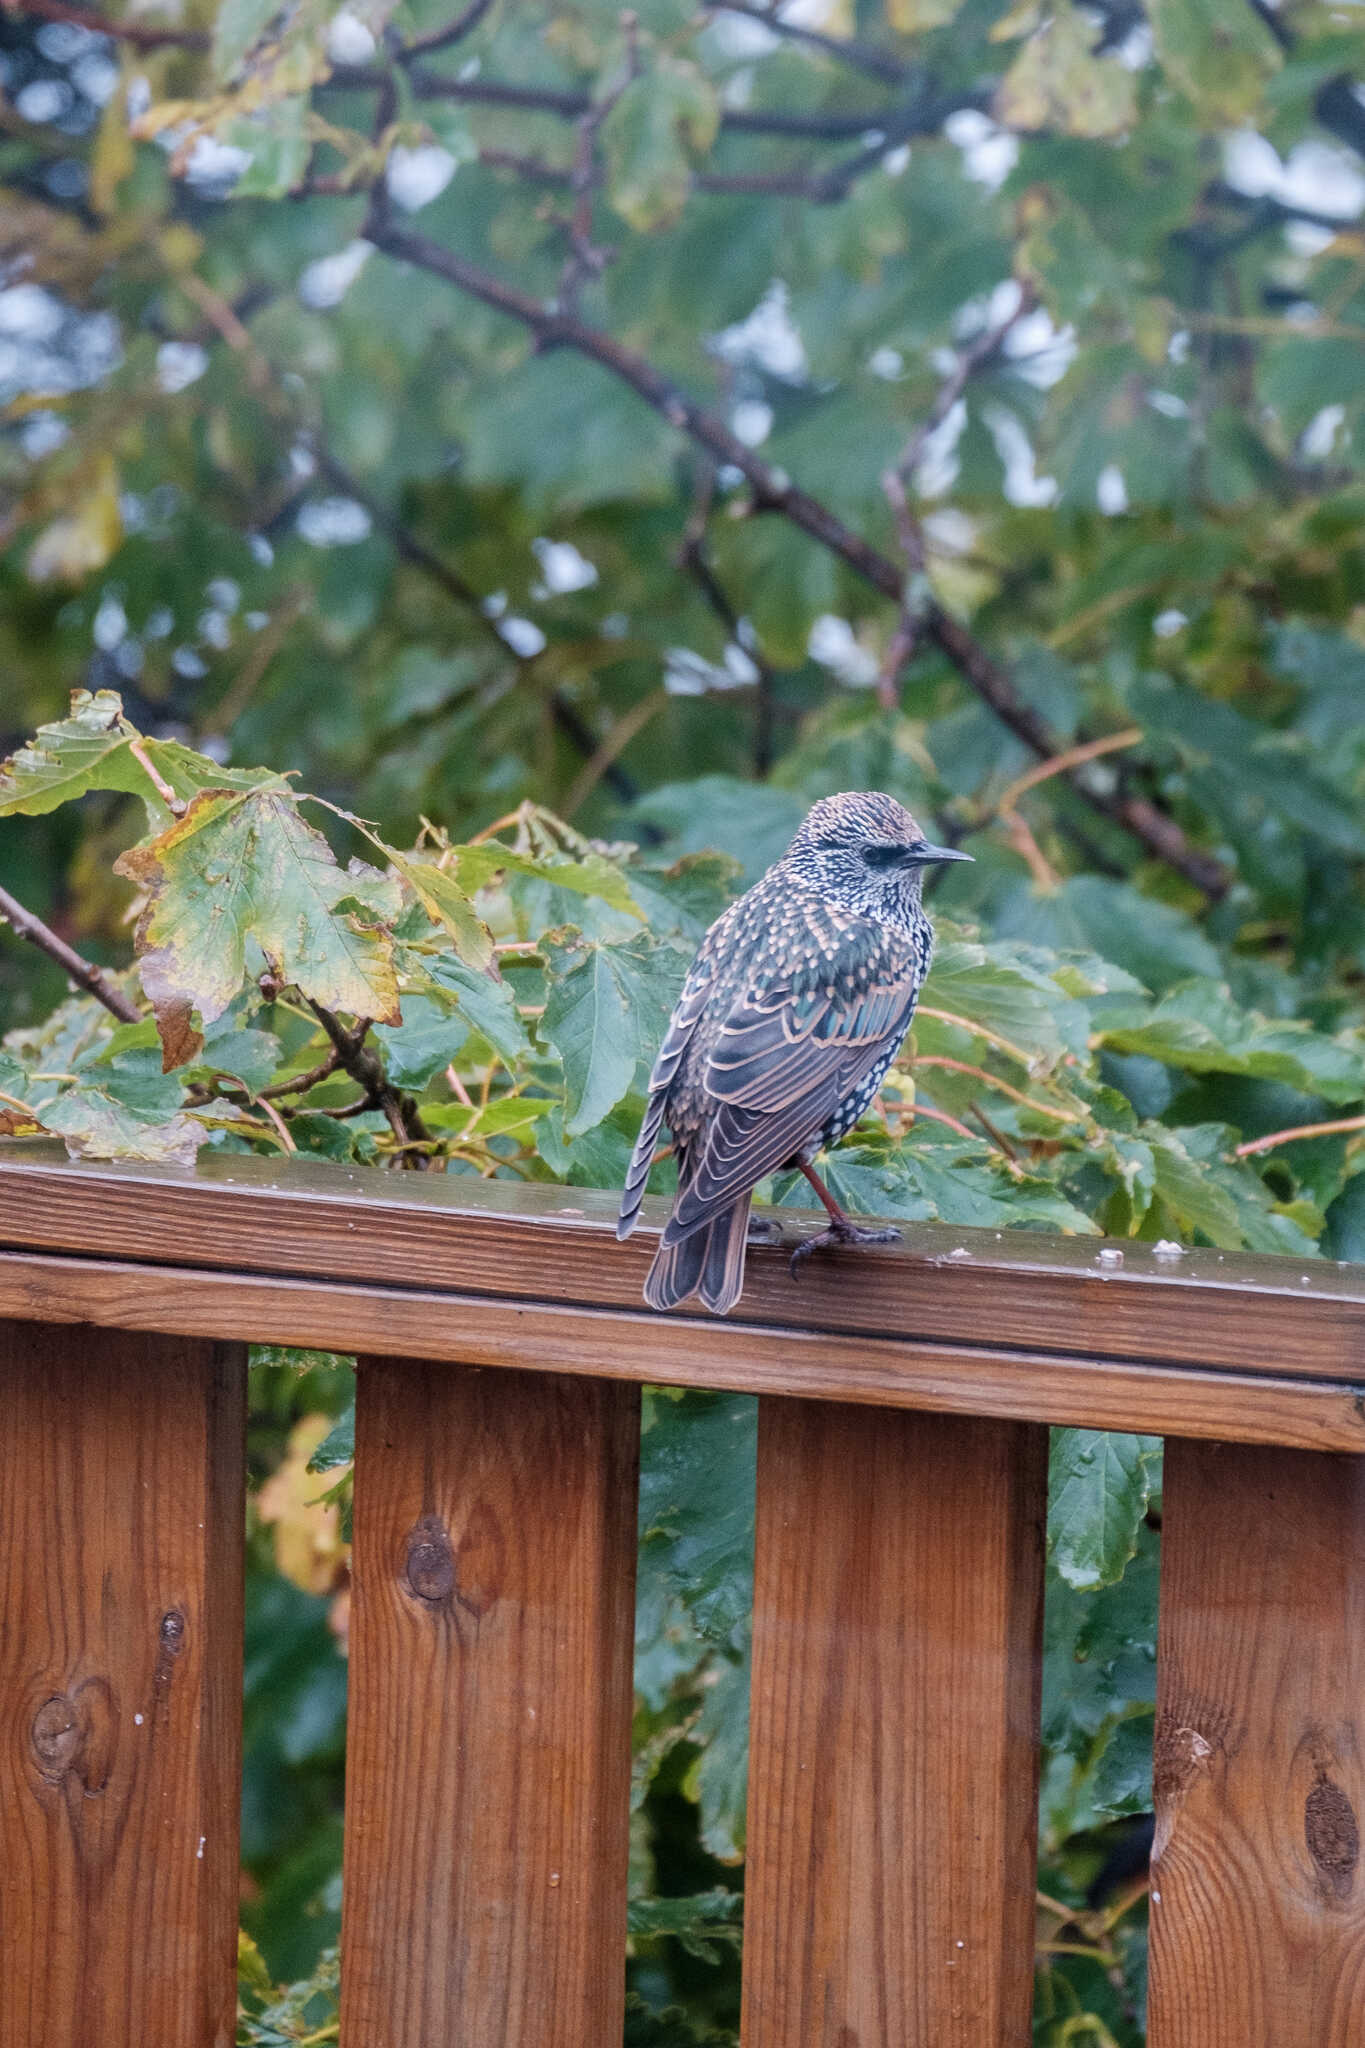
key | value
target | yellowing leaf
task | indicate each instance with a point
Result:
(242, 865)
(79, 542)
(446, 903)
(94, 1126)
(1056, 82)
(649, 138)
(909, 17)
(309, 1547)
(1218, 55)
(87, 750)
(112, 157)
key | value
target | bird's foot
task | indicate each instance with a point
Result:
(841, 1234)
(764, 1230)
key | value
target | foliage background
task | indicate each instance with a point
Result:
(662, 420)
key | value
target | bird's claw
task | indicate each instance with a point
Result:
(852, 1233)
(764, 1230)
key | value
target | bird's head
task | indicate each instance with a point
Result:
(863, 850)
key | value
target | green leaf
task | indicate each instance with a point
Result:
(1123, 1777)
(649, 139)
(242, 866)
(1057, 82)
(338, 1446)
(1006, 991)
(591, 875)
(1199, 1028)
(1099, 1485)
(280, 146)
(95, 1126)
(697, 1463)
(1219, 56)
(251, 1057)
(607, 1010)
(429, 1037)
(237, 26)
(1192, 1195)
(703, 1922)
(86, 750)
(721, 1775)
(488, 1007)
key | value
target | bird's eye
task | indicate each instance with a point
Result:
(883, 856)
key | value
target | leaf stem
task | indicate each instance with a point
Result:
(1287, 1137)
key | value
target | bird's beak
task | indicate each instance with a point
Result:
(929, 856)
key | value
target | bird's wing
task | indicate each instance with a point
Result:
(794, 1046)
(686, 1016)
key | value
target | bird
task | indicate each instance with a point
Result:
(795, 1006)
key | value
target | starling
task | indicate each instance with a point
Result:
(792, 1011)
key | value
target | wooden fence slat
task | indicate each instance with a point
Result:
(1258, 1898)
(121, 1522)
(893, 1738)
(488, 1773)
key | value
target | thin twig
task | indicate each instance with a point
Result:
(775, 492)
(1025, 1059)
(1287, 1137)
(91, 978)
(1063, 1116)
(585, 260)
(442, 38)
(1074, 757)
(863, 57)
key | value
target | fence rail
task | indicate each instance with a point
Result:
(897, 1620)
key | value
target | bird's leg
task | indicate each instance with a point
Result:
(842, 1229)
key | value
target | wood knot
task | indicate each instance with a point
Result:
(1332, 1835)
(74, 1736)
(429, 1561)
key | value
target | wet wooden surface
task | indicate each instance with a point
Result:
(886, 1370)
(894, 1729)
(1258, 1894)
(121, 1489)
(1011, 1290)
(488, 1760)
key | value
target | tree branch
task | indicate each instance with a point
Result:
(863, 57)
(441, 39)
(143, 35)
(92, 979)
(367, 1068)
(775, 492)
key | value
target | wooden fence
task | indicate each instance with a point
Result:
(901, 1487)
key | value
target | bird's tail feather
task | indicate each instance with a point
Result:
(641, 1159)
(710, 1262)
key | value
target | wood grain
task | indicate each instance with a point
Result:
(121, 1520)
(1012, 1289)
(894, 1730)
(488, 1773)
(1258, 1897)
(1097, 1392)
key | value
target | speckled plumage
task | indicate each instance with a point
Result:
(794, 1008)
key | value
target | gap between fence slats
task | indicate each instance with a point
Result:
(893, 1731)
(1258, 1894)
(121, 1489)
(488, 1766)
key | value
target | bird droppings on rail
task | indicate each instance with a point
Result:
(959, 1252)
(199, 1853)
(1110, 1258)
(1167, 1248)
